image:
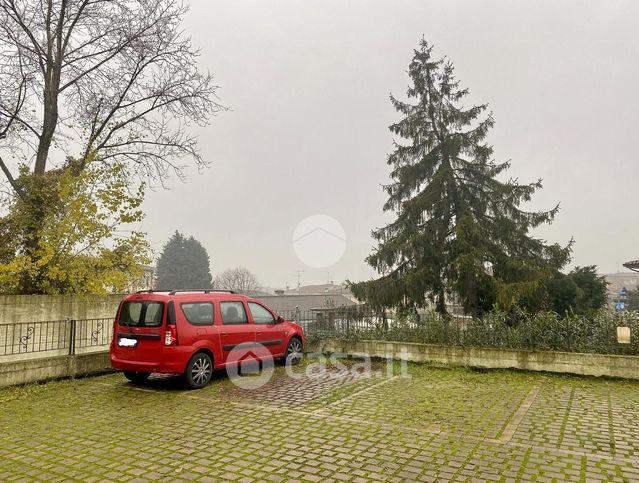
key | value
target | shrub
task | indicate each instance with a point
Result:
(545, 330)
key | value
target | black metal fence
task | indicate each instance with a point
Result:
(339, 322)
(55, 336)
(543, 331)
(596, 333)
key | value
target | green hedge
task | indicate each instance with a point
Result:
(540, 331)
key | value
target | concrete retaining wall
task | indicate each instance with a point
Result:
(35, 370)
(36, 308)
(44, 369)
(561, 362)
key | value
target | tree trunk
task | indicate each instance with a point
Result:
(48, 129)
(49, 122)
(29, 282)
(440, 307)
(40, 200)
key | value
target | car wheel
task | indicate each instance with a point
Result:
(294, 351)
(199, 370)
(136, 377)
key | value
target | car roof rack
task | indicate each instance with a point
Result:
(173, 292)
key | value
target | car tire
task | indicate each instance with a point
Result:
(136, 377)
(199, 370)
(293, 351)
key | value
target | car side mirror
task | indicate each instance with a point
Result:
(280, 319)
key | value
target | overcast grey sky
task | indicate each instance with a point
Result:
(308, 84)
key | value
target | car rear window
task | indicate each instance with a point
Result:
(141, 314)
(198, 313)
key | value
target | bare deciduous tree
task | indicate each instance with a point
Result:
(238, 279)
(13, 94)
(108, 81)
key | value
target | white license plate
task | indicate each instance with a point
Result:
(125, 342)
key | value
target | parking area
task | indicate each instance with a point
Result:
(439, 424)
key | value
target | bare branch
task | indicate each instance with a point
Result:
(115, 81)
(8, 115)
(238, 279)
(10, 8)
(10, 178)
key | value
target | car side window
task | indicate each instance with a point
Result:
(233, 313)
(198, 313)
(260, 314)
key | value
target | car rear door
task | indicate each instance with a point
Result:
(198, 317)
(139, 330)
(267, 331)
(237, 332)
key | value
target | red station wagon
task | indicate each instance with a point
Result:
(195, 332)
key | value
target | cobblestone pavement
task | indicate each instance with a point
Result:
(441, 424)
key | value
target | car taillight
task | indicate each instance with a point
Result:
(170, 336)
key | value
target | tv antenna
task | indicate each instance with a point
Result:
(299, 276)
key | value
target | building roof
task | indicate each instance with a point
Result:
(290, 303)
(256, 293)
(322, 289)
(632, 265)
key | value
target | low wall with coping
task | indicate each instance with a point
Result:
(491, 358)
(44, 369)
(627, 367)
(36, 308)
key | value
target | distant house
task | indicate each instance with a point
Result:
(321, 289)
(619, 281)
(632, 265)
(289, 305)
(145, 282)
(316, 289)
(256, 293)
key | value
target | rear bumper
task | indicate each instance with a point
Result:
(169, 361)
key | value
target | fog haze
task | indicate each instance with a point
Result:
(307, 84)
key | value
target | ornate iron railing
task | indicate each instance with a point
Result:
(542, 331)
(54, 336)
(596, 333)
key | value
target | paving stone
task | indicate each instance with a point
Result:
(442, 424)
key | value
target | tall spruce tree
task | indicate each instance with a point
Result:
(454, 213)
(183, 264)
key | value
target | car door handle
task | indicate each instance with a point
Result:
(224, 333)
(259, 333)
